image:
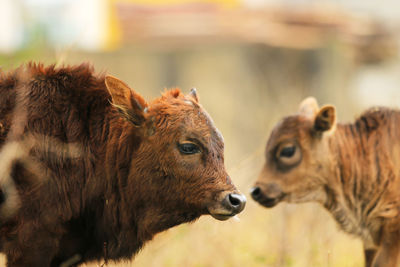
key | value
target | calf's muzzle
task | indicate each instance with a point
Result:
(229, 205)
(268, 196)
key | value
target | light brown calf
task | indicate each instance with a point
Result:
(352, 169)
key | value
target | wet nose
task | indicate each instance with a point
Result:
(236, 202)
(256, 193)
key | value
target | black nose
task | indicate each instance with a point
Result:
(256, 193)
(236, 202)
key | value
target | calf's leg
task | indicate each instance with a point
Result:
(388, 254)
(369, 255)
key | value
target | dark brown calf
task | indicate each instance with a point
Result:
(352, 169)
(91, 170)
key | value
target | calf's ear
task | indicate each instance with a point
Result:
(325, 118)
(128, 103)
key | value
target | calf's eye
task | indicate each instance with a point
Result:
(287, 151)
(288, 154)
(188, 148)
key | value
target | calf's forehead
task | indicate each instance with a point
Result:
(191, 120)
(293, 127)
(199, 121)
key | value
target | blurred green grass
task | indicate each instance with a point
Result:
(246, 89)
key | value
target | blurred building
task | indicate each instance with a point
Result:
(108, 24)
(82, 24)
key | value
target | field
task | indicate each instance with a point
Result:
(246, 89)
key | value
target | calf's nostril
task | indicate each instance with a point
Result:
(255, 192)
(234, 200)
(237, 202)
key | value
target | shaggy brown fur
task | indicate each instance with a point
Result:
(353, 170)
(99, 171)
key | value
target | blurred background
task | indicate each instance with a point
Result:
(252, 62)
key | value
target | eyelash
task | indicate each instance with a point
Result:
(189, 148)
